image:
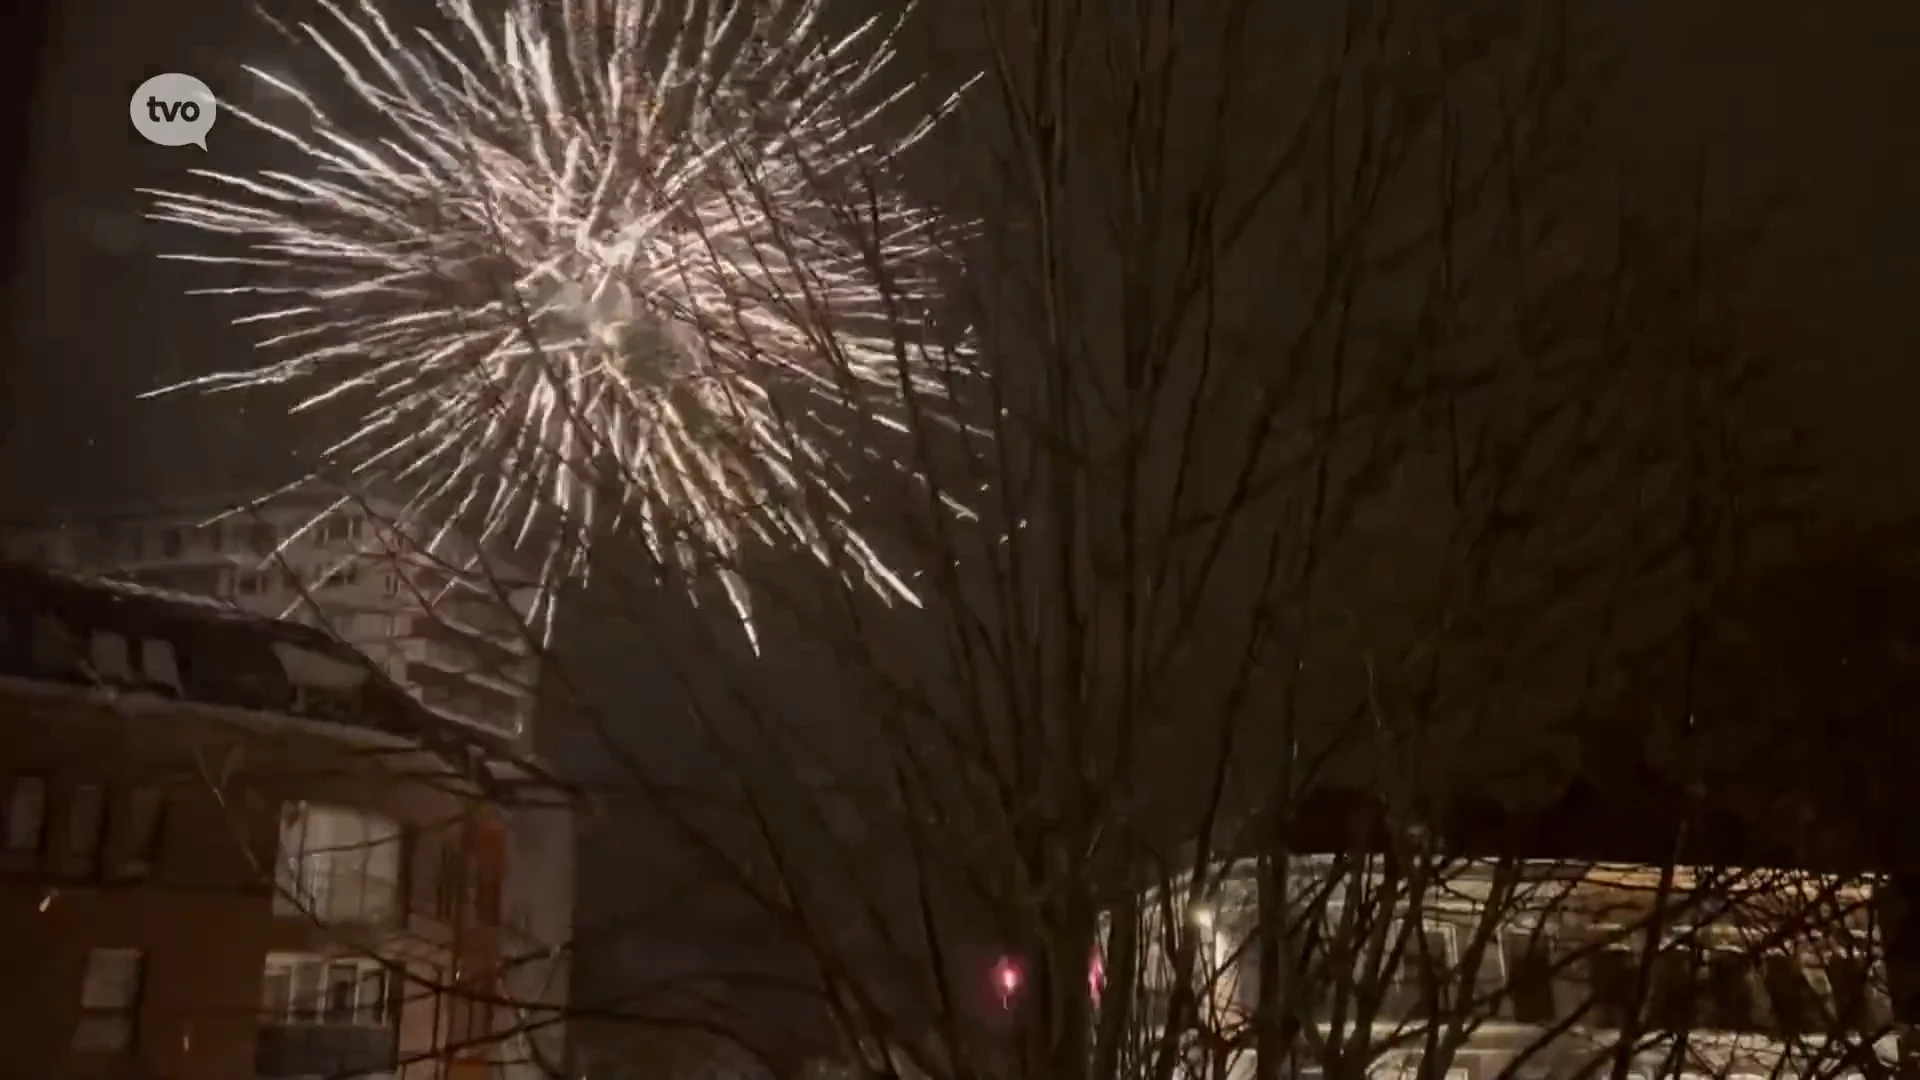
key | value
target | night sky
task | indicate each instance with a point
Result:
(1811, 100)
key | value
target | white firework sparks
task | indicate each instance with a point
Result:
(577, 266)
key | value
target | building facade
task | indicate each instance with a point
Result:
(1521, 968)
(235, 849)
(445, 623)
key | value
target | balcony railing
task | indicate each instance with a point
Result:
(332, 1050)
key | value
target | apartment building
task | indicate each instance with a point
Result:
(1527, 969)
(450, 626)
(235, 850)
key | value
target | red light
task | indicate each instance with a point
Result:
(1007, 974)
(1006, 977)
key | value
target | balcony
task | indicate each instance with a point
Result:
(333, 1050)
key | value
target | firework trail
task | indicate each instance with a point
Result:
(576, 266)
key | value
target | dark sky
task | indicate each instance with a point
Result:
(1813, 100)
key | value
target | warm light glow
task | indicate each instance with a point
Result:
(1202, 916)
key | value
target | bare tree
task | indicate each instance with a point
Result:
(1362, 434)
(1362, 463)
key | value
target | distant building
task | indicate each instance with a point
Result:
(1531, 969)
(235, 849)
(451, 627)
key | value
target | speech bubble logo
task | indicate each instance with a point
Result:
(173, 110)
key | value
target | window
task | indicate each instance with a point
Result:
(54, 648)
(172, 542)
(109, 1000)
(1530, 991)
(340, 528)
(1730, 1001)
(133, 838)
(313, 991)
(26, 817)
(1674, 992)
(158, 668)
(344, 574)
(338, 865)
(263, 537)
(78, 852)
(1423, 976)
(1611, 969)
(110, 661)
(1790, 998)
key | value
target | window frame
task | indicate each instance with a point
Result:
(81, 844)
(131, 851)
(308, 880)
(29, 854)
(91, 1013)
(1523, 939)
(319, 1011)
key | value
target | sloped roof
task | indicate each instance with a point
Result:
(219, 647)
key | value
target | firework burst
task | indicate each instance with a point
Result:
(583, 266)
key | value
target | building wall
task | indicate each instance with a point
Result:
(454, 634)
(1482, 924)
(205, 915)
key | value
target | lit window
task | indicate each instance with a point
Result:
(26, 816)
(109, 1000)
(338, 865)
(317, 991)
(78, 853)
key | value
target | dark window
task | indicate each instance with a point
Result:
(1790, 997)
(1530, 978)
(133, 839)
(26, 818)
(1730, 1001)
(1612, 974)
(56, 649)
(1425, 975)
(1858, 1005)
(81, 828)
(1671, 1002)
